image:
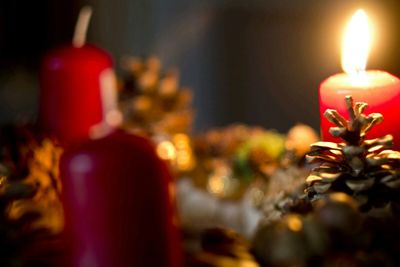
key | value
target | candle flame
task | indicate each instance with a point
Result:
(356, 43)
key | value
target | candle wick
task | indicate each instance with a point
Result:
(358, 72)
(81, 26)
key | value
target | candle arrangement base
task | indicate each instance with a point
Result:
(240, 173)
(253, 180)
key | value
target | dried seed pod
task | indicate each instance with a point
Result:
(366, 169)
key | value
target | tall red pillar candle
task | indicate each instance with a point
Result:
(118, 205)
(71, 87)
(379, 89)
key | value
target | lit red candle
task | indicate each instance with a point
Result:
(379, 89)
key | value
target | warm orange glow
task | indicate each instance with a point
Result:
(356, 43)
(294, 223)
(166, 150)
(184, 156)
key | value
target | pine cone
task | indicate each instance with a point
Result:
(153, 104)
(366, 169)
(152, 101)
(30, 213)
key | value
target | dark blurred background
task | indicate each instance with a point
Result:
(252, 61)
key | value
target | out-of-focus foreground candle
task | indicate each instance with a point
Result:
(117, 194)
(74, 80)
(118, 202)
(379, 89)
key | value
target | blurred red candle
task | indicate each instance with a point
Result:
(117, 194)
(119, 205)
(74, 81)
(379, 89)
